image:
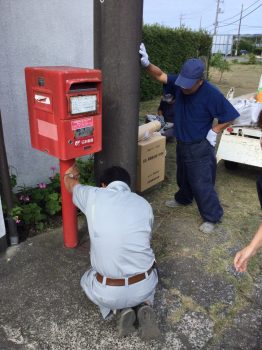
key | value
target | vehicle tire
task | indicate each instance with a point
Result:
(230, 165)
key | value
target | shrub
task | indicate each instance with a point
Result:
(251, 59)
(220, 63)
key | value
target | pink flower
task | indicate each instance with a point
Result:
(24, 198)
(53, 168)
(42, 185)
(16, 218)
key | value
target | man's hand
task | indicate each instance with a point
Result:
(242, 257)
(212, 137)
(71, 176)
(73, 170)
(144, 56)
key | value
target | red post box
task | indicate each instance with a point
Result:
(65, 117)
(64, 105)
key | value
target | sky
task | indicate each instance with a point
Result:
(194, 14)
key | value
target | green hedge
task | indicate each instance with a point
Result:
(168, 48)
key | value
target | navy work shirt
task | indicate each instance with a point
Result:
(194, 114)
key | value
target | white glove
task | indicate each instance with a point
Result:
(144, 56)
(212, 137)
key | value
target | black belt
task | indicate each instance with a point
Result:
(189, 143)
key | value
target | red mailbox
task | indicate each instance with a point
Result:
(65, 107)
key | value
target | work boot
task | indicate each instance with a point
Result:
(172, 203)
(125, 322)
(147, 325)
(207, 227)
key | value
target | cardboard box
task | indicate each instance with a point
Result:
(151, 162)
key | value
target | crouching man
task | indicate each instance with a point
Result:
(122, 278)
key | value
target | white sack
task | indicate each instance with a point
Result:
(248, 109)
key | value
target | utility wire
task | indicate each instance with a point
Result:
(211, 25)
(237, 15)
(228, 24)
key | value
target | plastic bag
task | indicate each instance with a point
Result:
(248, 109)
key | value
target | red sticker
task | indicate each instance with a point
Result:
(81, 123)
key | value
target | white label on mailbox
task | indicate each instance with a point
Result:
(83, 104)
(42, 99)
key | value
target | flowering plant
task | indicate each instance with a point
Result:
(35, 205)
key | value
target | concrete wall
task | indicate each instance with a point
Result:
(37, 33)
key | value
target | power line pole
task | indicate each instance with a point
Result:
(238, 34)
(217, 13)
(121, 79)
(181, 18)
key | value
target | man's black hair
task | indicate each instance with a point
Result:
(115, 173)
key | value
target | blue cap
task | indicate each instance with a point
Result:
(192, 70)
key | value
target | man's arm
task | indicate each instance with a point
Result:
(156, 73)
(213, 133)
(151, 69)
(242, 257)
(218, 128)
(71, 178)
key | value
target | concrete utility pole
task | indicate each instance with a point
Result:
(180, 20)
(238, 34)
(117, 37)
(218, 10)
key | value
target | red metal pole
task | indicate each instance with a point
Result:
(68, 209)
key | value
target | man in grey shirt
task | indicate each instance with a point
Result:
(122, 276)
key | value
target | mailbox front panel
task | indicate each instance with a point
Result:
(65, 106)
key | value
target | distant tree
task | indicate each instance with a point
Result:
(220, 63)
(245, 44)
(258, 51)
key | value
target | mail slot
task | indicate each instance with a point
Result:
(65, 106)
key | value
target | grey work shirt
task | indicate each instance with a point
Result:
(120, 225)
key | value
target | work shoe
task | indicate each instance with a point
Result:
(147, 325)
(125, 322)
(172, 203)
(207, 227)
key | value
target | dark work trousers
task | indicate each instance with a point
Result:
(196, 175)
(259, 189)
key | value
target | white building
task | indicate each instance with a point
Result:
(37, 33)
(222, 43)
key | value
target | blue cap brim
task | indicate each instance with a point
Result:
(185, 83)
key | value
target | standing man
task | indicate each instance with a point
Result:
(197, 104)
(122, 274)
